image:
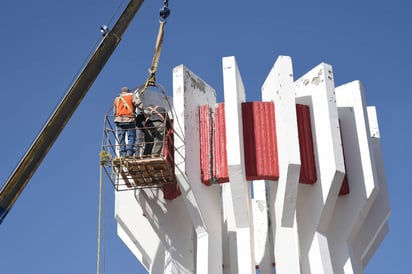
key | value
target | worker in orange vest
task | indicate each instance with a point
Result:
(124, 109)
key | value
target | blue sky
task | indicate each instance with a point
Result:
(53, 226)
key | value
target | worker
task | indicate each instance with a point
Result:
(140, 125)
(156, 123)
(124, 109)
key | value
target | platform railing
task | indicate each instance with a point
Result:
(140, 170)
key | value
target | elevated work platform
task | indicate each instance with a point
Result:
(144, 172)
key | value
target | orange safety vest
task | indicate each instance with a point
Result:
(124, 105)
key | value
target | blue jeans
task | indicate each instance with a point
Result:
(129, 129)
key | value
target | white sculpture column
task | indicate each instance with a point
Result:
(236, 197)
(279, 88)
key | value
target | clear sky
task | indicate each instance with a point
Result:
(53, 226)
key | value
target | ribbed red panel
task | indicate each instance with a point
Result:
(220, 168)
(170, 191)
(260, 144)
(213, 157)
(307, 157)
(344, 189)
(205, 134)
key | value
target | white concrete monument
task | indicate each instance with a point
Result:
(277, 222)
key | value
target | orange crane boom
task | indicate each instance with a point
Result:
(18, 180)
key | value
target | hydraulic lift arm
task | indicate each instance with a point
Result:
(18, 180)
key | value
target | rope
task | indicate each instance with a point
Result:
(116, 12)
(104, 158)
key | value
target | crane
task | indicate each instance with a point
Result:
(32, 159)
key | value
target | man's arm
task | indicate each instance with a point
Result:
(137, 102)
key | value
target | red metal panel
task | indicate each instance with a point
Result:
(344, 189)
(307, 157)
(213, 157)
(260, 144)
(205, 134)
(170, 191)
(220, 168)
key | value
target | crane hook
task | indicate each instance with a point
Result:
(164, 12)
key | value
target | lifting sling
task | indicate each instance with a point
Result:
(151, 80)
